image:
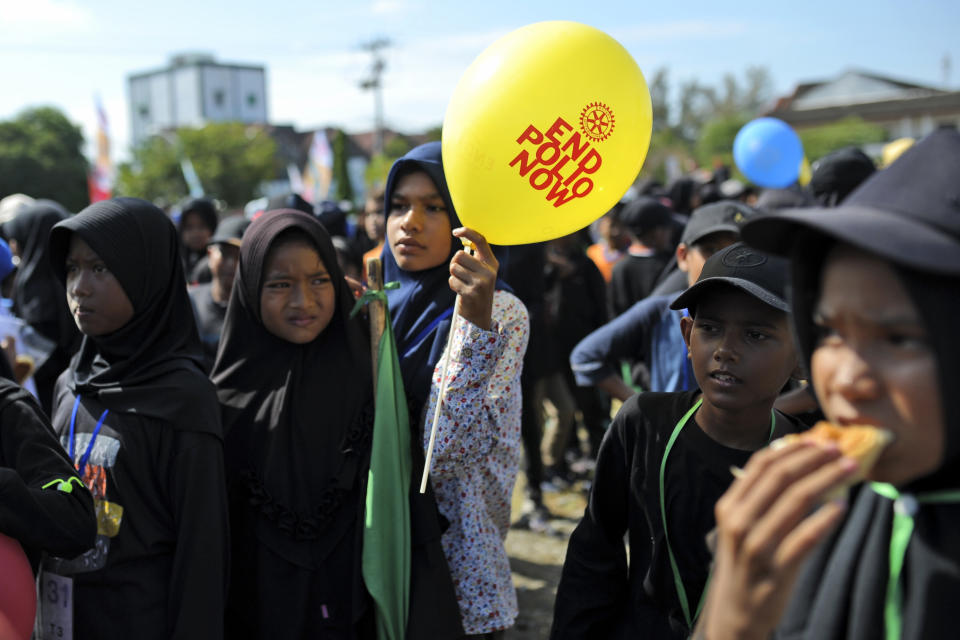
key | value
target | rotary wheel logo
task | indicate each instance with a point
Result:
(597, 121)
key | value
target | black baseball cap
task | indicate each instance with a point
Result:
(230, 231)
(908, 213)
(725, 215)
(645, 213)
(761, 275)
(837, 174)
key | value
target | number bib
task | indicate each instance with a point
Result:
(56, 607)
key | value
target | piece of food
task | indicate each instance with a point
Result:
(862, 443)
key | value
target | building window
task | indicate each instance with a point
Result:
(251, 100)
(219, 96)
(144, 111)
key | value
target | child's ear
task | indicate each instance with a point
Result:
(686, 327)
(682, 257)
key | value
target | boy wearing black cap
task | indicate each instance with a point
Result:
(650, 330)
(651, 224)
(210, 299)
(667, 458)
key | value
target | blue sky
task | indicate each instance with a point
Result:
(60, 52)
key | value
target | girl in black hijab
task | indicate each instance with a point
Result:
(875, 300)
(140, 421)
(38, 295)
(293, 376)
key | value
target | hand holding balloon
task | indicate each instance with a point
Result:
(474, 278)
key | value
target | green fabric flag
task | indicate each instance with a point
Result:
(386, 533)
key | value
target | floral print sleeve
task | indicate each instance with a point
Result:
(476, 457)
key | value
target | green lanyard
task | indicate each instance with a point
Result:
(904, 507)
(681, 591)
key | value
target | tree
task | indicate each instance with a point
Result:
(154, 173)
(231, 159)
(715, 144)
(41, 155)
(396, 147)
(852, 131)
(341, 177)
(660, 99)
(700, 103)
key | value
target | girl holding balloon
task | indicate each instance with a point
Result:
(476, 456)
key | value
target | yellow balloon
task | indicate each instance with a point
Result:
(545, 132)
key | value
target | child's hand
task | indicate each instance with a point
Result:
(474, 278)
(767, 524)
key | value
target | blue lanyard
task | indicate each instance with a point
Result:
(93, 437)
(423, 334)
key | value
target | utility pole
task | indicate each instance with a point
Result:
(945, 66)
(373, 83)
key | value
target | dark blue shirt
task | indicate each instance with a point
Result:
(649, 331)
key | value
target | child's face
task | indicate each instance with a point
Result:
(298, 299)
(873, 363)
(373, 221)
(98, 303)
(418, 227)
(741, 349)
(196, 234)
(222, 259)
(691, 258)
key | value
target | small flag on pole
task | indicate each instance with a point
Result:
(386, 558)
(101, 176)
(191, 177)
(318, 173)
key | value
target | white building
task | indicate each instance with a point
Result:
(903, 109)
(193, 91)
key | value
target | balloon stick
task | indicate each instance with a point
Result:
(377, 314)
(468, 247)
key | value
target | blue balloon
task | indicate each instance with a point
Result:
(768, 152)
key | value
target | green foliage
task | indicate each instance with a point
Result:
(664, 143)
(701, 122)
(231, 160)
(378, 169)
(715, 144)
(154, 174)
(852, 131)
(341, 176)
(396, 147)
(434, 134)
(41, 155)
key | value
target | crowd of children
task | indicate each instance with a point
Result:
(194, 462)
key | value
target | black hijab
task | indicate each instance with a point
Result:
(152, 365)
(909, 216)
(297, 418)
(842, 592)
(38, 296)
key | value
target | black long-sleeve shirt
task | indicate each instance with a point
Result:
(600, 594)
(41, 519)
(159, 566)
